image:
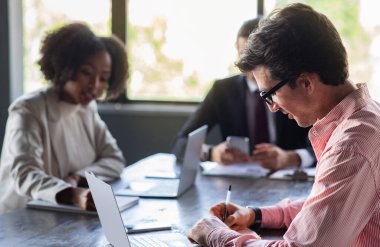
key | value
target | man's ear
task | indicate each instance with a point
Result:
(308, 82)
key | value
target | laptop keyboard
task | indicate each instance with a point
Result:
(146, 241)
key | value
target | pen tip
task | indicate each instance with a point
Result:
(229, 188)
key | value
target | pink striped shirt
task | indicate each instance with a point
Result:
(343, 208)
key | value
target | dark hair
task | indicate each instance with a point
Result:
(294, 40)
(64, 50)
(247, 27)
(119, 70)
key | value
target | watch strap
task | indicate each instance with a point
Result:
(258, 219)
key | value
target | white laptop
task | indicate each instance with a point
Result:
(112, 222)
(172, 188)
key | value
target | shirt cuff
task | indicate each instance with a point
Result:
(225, 237)
(271, 217)
(50, 193)
(307, 159)
(280, 215)
(206, 152)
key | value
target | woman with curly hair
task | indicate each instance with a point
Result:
(54, 135)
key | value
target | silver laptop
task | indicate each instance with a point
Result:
(112, 222)
(172, 188)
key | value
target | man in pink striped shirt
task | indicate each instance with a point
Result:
(300, 65)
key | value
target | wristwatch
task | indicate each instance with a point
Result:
(258, 218)
(207, 153)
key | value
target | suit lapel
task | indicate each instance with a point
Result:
(242, 90)
(279, 123)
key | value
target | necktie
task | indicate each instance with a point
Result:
(257, 119)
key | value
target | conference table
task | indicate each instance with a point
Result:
(31, 227)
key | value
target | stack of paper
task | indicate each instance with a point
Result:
(234, 170)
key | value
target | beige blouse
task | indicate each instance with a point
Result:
(46, 140)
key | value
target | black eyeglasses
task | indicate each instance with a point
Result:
(267, 96)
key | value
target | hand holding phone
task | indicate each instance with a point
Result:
(240, 143)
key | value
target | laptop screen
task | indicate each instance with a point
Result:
(108, 211)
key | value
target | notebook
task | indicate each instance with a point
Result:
(113, 226)
(172, 188)
(123, 203)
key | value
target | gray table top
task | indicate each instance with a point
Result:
(29, 227)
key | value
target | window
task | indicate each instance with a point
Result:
(40, 16)
(359, 27)
(178, 48)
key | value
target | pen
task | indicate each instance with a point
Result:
(228, 197)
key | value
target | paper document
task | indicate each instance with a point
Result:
(161, 165)
(234, 170)
(294, 174)
(123, 202)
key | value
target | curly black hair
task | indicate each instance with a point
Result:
(65, 49)
(119, 69)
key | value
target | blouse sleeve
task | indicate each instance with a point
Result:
(22, 151)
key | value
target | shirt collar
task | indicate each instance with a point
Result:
(58, 108)
(322, 129)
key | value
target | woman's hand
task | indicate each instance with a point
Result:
(77, 196)
(76, 181)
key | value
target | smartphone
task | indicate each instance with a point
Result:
(239, 142)
(148, 227)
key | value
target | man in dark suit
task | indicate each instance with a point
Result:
(231, 103)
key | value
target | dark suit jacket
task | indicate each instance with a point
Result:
(225, 104)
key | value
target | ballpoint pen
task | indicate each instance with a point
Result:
(228, 197)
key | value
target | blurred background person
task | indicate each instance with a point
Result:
(54, 135)
(235, 104)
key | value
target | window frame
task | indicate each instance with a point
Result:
(119, 11)
(119, 15)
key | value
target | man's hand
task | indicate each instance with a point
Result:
(225, 155)
(203, 228)
(238, 217)
(274, 158)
